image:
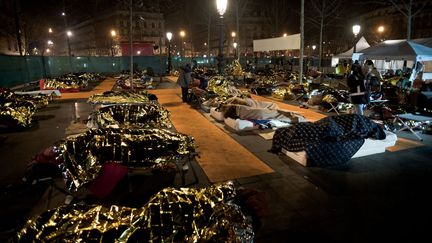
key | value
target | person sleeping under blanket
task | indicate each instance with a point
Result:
(249, 109)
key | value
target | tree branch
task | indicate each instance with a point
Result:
(397, 7)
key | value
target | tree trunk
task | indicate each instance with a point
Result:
(409, 20)
(321, 35)
(18, 27)
(301, 41)
(208, 32)
(238, 30)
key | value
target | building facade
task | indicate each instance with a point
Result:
(8, 29)
(108, 34)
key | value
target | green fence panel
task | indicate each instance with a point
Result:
(13, 71)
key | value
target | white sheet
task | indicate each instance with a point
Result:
(240, 125)
(217, 115)
(370, 146)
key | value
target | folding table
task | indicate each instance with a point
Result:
(417, 118)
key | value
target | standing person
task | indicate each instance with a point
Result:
(357, 89)
(184, 80)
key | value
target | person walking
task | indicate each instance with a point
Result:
(184, 80)
(356, 84)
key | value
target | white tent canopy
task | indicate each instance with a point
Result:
(291, 42)
(398, 50)
(360, 45)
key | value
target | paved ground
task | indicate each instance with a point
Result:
(382, 197)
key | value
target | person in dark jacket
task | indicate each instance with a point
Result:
(184, 80)
(357, 89)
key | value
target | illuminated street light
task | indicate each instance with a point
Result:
(182, 35)
(380, 29)
(233, 34)
(356, 31)
(285, 35)
(63, 14)
(169, 36)
(138, 52)
(50, 42)
(314, 47)
(235, 45)
(221, 6)
(205, 43)
(47, 50)
(50, 30)
(113, 35)
(69, 33)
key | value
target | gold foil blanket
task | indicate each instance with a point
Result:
(150, 115)
(172, 215)
(116, 97)
(84, 155)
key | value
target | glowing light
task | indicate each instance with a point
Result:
(381, 29)
(169, 36)
(221, 6)
(356, 29)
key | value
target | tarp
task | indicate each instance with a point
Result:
(398, 50)
(360, 45)
(424, 41)
(291, 42)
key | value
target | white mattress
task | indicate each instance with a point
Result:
(240, 125)
(370, 146)
(217, 115)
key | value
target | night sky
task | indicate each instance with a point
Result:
(188, 14)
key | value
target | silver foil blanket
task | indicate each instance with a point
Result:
(117, 97)
(172, 215)
(84, 155)
(149, 115)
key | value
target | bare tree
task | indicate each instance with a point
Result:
(409, 9)
(276, 11)
(323, 12)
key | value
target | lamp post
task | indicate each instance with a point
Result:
(235, 49)
(182, 35)
(356, 31)
(68, 32)
(169, 36)
(380, 30)
(221, 6)
(113, 35)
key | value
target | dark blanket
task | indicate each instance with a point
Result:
(330, 141)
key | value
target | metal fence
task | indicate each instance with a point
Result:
(17, 70)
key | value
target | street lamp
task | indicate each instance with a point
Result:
(50, 30)
(113, 36)
(381, 31)
(235, 49)
(182, 35)
(221, 6)
(285, 35)
(169, 36)
(233, 34)
(356, 31)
